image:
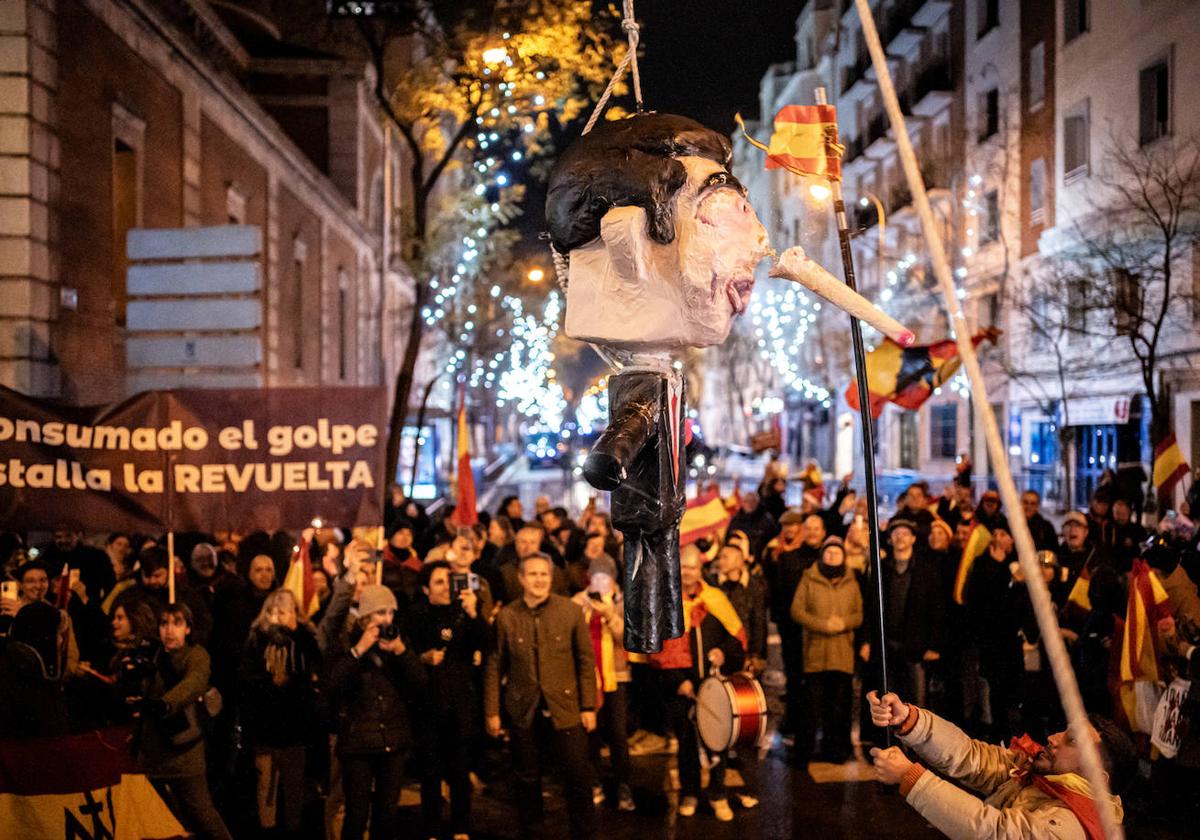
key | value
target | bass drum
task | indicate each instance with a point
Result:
(731, 712)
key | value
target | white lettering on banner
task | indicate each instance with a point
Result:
(61, 475)
(291, 476)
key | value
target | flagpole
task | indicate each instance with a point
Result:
(865, 416)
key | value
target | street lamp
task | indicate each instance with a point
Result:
(494, 55)
(820, 192)
(536, 275)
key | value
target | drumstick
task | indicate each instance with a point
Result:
(795, 265)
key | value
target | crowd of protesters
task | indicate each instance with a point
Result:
(451, 646)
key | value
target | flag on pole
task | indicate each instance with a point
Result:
(465, 512)
(907, 376)
(805, 141)
(299, 580)
(1169, 466)
(64, 587)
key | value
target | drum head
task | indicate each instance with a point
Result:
(715, 719)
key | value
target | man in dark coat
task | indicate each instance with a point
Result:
(1045, 538)
(544, 657)
(753, 520)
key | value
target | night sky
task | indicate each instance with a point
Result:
(699, 58)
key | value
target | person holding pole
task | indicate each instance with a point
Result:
(1030, 791)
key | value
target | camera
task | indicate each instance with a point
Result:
(462, 581)
(388, 632)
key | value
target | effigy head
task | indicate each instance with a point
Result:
(661, 239)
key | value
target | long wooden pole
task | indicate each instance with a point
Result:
(1060, 664)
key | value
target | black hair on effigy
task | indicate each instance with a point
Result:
(626, 162)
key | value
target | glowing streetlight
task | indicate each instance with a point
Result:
(495, 55)
(820, 192)
(536, 275)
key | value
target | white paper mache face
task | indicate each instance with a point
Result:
(626, 290)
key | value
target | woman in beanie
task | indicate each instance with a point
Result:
(603, 610)
(374, 686)
(828, 606)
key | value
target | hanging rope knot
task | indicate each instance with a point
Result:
(631, 28)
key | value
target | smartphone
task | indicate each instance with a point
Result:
(8, 589)
(461, 581)
(33, 553)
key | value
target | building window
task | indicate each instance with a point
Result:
(1075, 141)
(296, 302)
(989, 310)
(1077, 308)
(1154, 101)
(987, 13)
(1037, 192)
(235, 204)
(909, 441)
(343, 317)
(128, 140)
(1040, 327)
(1037, 75)
(989, 230)
(943, 431)
(1076, 20)
(1127, 301)
(989, 114)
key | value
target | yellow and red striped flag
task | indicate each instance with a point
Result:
(1139, 645)
(465, 513)
(1169, 466)
(704, 516)
(299, 581)
(805, 140)
(977, 543)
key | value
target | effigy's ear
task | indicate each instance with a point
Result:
(624, 232)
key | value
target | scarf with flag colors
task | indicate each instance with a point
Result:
(908, 376)
(1169, 466)
(92, 788)
(705, 601)
(604, 650)
(299, 580)
(465, 512)
(1071, 789)
(1138, 666)
(976, 544)
(705, 516)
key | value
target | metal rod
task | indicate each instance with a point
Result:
(1056, 650)
(866, 419)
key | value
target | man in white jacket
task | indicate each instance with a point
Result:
(1029, 793)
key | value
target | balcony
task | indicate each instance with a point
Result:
(933, 90)
(876, 141)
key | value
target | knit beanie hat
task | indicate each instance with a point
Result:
(374, 598)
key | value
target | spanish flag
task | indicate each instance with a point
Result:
(1139, 646)
(704, 516)
(465, 513)
(977, 543)
(1169, 466)
(908, 376)
(708, 600)
(805, 141)
(299, 580)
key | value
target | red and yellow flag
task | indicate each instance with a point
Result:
(704, 516)
(1169, 466)
(465, 513)
(907, 376)
(1139, 646)
(805, 141)
(299, 581)
(977, 543)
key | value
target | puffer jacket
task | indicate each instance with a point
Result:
(1012, 810)
(817, 600)
(376, 698)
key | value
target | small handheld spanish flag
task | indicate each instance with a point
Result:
(806, 139)
(465, 513)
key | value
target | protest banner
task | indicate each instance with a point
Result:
(92, 789)
(244, 459)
